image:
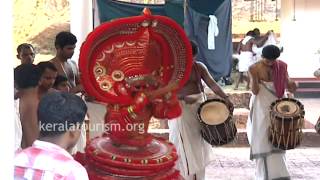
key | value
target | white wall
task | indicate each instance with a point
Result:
(81, 23)
(300, 38)
(6, 95)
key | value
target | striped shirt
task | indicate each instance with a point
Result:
(47, 161)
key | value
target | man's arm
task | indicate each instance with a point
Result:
(291, 85)
(260, 42)
(239, 47)
(254, 79)
(162, 91)
(29, 123)
(78, 88)
(208, 79)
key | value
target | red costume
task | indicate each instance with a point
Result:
(123, 63)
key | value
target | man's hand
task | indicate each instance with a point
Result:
(292, 86)
(163, 90)
(229, 103)
(290, 95)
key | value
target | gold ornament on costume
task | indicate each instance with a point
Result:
(117, 75)
(99, 70)
(105, 85)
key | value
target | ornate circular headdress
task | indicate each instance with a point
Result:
(141, 48)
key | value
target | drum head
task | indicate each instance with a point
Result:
(214, 113)
(287, 108)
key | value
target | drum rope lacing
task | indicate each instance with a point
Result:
(294, 135)
(214, 136)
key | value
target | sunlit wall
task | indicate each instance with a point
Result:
(300, 36)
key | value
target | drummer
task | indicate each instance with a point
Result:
(269, 78)
(184, 133)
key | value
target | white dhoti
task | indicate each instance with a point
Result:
(94, 123)
(96, 112)
(194, 152)
(245, 60)
(17, 126)
(270, 161)
(82, 141)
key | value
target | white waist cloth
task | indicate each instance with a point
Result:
(17, 126)
(184, 132)
(245, 60)
(96, 112)
(95, 116)
(270, 161)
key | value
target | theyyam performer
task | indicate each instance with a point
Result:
(135, 65)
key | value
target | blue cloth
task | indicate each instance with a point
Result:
(219, 60)
(111, 9)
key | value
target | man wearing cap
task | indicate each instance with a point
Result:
(269, 80)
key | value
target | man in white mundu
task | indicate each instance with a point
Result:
(269, 81)
(185, 132)
(246, 56)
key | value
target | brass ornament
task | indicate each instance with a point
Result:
(117, 75)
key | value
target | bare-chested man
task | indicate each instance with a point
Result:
(246, 56)
(185, 133)
(48, 74)
(262, 71)
(65, 44)
(269, 81)
(26, 77)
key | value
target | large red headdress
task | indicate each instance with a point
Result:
(135, 48)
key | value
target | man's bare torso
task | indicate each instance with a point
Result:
(192, 85)
(263, 71)
(28, 105)
(65, 69)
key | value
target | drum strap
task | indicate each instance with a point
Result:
(200, 81)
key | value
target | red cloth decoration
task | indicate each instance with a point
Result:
(280, 77)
